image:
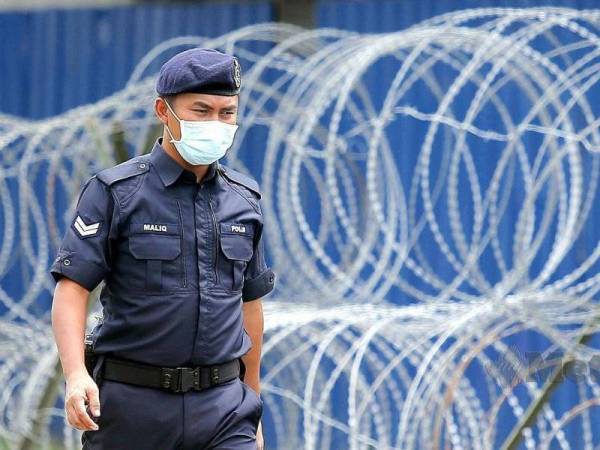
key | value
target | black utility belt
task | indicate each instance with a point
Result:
(173, 379)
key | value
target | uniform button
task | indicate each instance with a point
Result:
(67, 262)
(271, 278)
(142, 166)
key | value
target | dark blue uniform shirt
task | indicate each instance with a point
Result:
(178, 259)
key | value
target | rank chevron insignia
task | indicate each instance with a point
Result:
(86, 230)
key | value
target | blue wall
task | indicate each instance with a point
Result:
(381, 16)
(54, 60)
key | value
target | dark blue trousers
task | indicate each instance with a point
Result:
(223, 417)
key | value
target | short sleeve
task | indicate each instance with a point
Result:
(84, 254)
(259, 279)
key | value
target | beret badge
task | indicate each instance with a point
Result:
(237, 73)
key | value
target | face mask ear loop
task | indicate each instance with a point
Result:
(178, 119)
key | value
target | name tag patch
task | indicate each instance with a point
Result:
(155, 227)
(238, 228)
(241, 228)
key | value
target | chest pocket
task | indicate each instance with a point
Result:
(157, 248)
(236, 249)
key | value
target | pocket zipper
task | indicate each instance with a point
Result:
(215, 242)
(183, 269)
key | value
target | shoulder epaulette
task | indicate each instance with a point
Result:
(127, 169)
(240, 178)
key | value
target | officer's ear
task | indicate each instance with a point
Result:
(160, 108)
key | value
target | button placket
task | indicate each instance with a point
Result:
(202, 225)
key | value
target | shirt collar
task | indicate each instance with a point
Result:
(169, 170)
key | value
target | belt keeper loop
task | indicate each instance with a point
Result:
(197, 378)
(214, 375)
(167, 378)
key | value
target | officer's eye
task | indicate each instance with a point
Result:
(201, 111)
(229, 113)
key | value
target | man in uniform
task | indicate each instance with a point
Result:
(178, 239)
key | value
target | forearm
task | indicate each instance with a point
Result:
(254, 325)
(69, 312)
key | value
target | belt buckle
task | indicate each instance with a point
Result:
(181, 379)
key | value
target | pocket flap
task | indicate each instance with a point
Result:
(152, 246)
(237, 246)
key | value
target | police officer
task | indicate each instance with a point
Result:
(178, 239)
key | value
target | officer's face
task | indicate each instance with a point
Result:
(192, 106)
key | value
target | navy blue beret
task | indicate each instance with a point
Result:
(201, 70)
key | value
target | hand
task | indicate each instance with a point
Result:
(260, 442)
(82, 389)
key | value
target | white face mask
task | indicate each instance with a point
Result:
(202, 141)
